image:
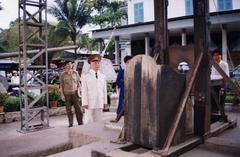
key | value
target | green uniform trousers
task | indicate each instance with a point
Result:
(73, 100)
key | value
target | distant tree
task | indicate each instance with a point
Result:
(1, 6)
(57, 36)
(100, 7)
(9, 39)
(116, 13)
(109, 14)
(72, 16)
(87, 43)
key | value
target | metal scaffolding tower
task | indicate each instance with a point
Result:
(33, 67)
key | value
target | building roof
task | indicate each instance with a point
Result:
(8, 65)
(175, 25)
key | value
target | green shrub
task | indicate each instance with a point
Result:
(232, 99)
(12, 104)
(109, 88)
(54, 92)
(3, 97)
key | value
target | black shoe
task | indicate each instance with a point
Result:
(225, 120)
(113, 121)
(70, 125)
(80, 123)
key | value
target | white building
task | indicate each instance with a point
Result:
(138, 36)
(143, 10)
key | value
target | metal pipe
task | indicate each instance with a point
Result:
(53, 49)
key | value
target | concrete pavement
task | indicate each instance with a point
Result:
(226, 144)
(48, 141)
(79, 141)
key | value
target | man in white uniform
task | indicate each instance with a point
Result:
(218, 85)
(94, 91)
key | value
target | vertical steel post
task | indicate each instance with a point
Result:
(33, 35)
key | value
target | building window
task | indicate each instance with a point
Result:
(138, 13)
(188, 7)
(224, 5)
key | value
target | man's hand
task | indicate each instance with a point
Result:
(85, 106)
(105, 107)
(221, 92)
(63, 97)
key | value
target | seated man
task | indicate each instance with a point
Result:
(218, 85)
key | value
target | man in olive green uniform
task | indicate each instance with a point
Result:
(69, 85)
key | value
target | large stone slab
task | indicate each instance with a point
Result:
(152, 97)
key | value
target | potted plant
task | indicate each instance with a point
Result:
(109, 92)
(54, 95)
(3, 97)
(12, 104)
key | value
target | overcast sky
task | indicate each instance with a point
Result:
(10, 12)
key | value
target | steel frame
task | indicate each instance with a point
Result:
(33, 35)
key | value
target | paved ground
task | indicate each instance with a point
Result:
(226, 144)
(8, 130)
(44, 142)
(60, 138)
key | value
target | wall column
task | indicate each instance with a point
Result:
(147, 44)
(184, 37)
(117, 50)
(224, 43)
(100, 45)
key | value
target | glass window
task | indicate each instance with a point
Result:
(224, 5)
(138, 13)
(188, 7)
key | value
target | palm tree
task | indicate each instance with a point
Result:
(72, 16)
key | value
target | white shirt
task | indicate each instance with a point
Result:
(94, 90)
(15, 79)
(214, 73)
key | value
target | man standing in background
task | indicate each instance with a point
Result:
(94, 90)
(120, 85)
(15, 78)
(218, 85)
(69, 84)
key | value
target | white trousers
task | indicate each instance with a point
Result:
(92, 115)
